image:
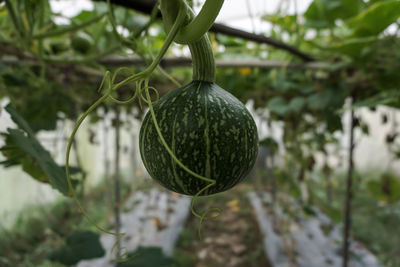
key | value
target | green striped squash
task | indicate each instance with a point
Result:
(210, 132)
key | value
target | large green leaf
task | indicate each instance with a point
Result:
(23, 148)
(80, 245)
(376, 18)
(16, 155)
(352, 47)
(278, 105)
(324, 13)
(320, 100)
(297, 103)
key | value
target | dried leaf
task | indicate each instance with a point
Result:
(160, 225)
(234, 205)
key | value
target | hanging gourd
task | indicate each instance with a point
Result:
(207, 129)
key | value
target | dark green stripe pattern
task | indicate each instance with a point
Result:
(210, 132)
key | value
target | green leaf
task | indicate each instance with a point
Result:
(352, 47)
(22, 124)
(83, 16)
(364, 128)
(16, 156)
(386, 189)
(33, 157)
(55, 175)
(320, 100)
(80, 245)
(288, 22)
(333, 121)
(14, 79)
(376, 18)
(296, 104)
(389, 97)
(229, 41)
(81, 42)
(278, 105)
(136, 22)
(270, 143)
(284, 83)
(324, 13)
(147, 257)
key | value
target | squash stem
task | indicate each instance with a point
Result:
(203, 60)
(202, 55)
(197, 26)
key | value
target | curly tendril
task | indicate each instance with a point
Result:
(108, 83)
(71, 189)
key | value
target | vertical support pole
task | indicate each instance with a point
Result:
(106, 163)
(349, 193)
(117, 196)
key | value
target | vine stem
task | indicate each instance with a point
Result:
(168, 41)
(203, 60)
(110, 88)
(69, 146)
(73, 28)
(79, 162)
(14, 19)
(41, 47)
(123, 40)
(77, 60)
(349, 193)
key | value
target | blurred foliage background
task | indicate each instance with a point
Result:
(51, 67)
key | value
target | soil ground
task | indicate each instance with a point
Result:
(233, 239)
